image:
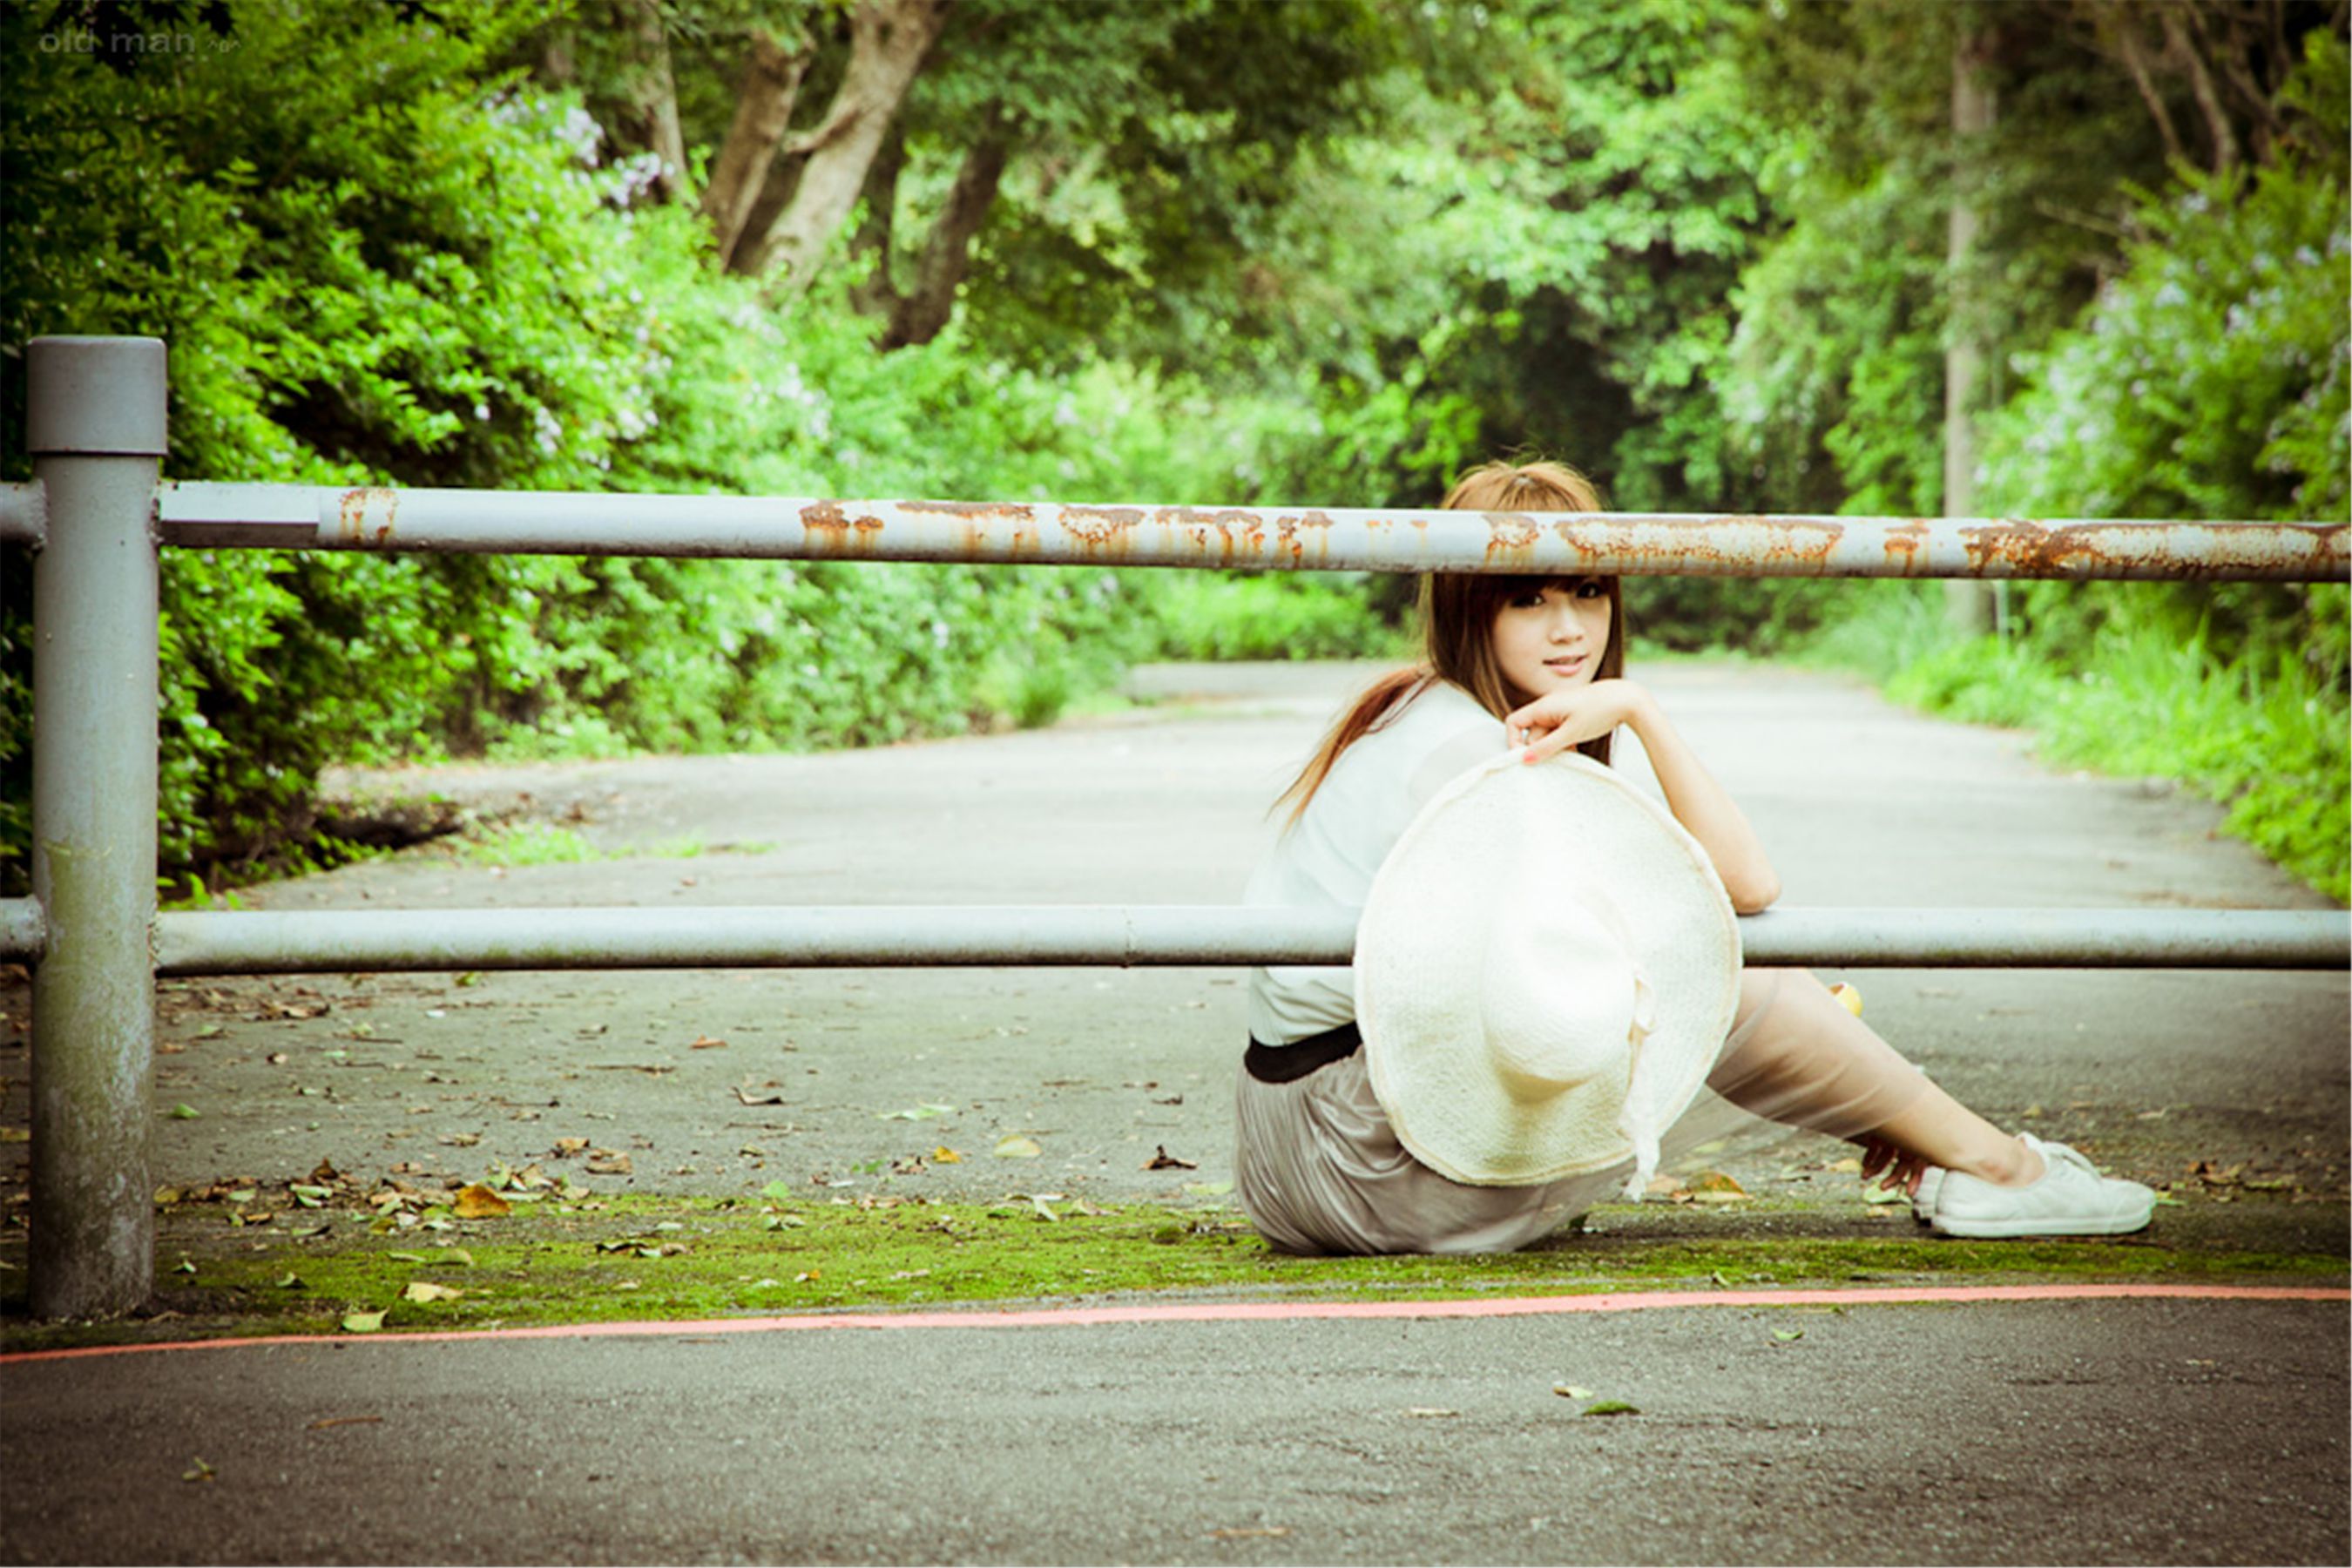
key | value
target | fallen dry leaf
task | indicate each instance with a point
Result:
(325, 1422)
(363, 1323)
(1715, 1187)
(707, 1043)
(748, 1098)
(1017, 1146)
(567, 1147)
(1250, 1533)
(475, 1201)
(606, 1162)
(426, 1290)
(943, 1156)
(1161, 1160)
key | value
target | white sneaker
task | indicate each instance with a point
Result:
(2070, 1199)
(1923, 1202)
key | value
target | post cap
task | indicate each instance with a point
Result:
(95, 397)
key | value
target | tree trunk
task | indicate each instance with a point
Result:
(877, 236)
(653, 97)
(2201, 82)
(1969, 605)
(764, 109)
(558, 58)
(947, 250)
(888, 42)
(2132, 51)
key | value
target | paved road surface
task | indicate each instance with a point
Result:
(2114, 1432)
(1861, 804)
(2044, 1432)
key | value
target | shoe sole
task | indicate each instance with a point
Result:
(2012, 1229)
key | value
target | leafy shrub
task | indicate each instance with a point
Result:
(1272, 616)
(372, 265)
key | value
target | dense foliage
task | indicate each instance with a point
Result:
(1323, 252)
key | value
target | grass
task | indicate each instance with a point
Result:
(644, 1257)
(548, 844)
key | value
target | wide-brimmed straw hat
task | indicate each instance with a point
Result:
(1546, 968)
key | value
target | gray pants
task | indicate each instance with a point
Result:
(1319, 1169)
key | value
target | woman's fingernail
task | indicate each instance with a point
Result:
(1526, 756)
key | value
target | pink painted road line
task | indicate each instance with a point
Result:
(1257, 1311)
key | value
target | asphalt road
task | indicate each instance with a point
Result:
(2113, 1432)
(1863, 805)
(2163, 1431)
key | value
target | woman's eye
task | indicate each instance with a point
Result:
(1591, 590)
(1528, 602)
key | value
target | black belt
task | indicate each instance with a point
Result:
(1288, 1064)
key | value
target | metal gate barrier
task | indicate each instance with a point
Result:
(95, 516)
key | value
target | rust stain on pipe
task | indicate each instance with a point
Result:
(833, 532)
(1108, 531)
(1239, 532)
(1611, 546)
(1289, 530)
(1904, 543)
(2018, 549)
(355, 507)
(980, 520)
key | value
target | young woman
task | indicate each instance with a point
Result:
(1539, 663)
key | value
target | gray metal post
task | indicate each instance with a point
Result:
(95, 426)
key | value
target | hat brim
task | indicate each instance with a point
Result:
(1418, 965)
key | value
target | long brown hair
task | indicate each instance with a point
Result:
(1458, 621)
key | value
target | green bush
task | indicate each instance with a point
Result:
(372, 265)
(1316, 614)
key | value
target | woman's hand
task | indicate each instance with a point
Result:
(1573, 715)
(1896, 1167)
(1550, 725)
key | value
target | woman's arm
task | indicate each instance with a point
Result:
(1564, 718)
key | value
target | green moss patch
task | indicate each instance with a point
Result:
(654, 1258)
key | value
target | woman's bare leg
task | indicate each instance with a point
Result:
(1799, 1057)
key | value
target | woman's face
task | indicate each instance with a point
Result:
(1552, 638)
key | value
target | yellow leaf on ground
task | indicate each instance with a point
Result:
(363, 1323)
(478, 1201)
(1715, 1187)
(1018, 1146)
(426, 1290)
(943, 1156)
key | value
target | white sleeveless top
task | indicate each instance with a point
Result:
(1327, 859)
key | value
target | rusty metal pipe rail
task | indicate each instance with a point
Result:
(307, 517)
(913, 936)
